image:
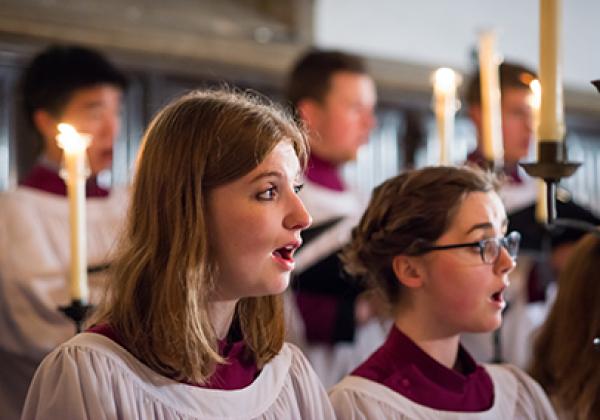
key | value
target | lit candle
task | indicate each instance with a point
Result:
(74, 146)
(552, 125)
(491, 121)
(541, 207)
(444, 90)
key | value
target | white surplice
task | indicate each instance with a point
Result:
(92, 377)
(516, 397)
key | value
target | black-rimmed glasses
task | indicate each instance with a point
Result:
(489, 249)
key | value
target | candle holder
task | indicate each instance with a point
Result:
(76, 311)
(552, 166)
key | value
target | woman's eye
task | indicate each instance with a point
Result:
(476, 249)
(298, 188)
(268, 194)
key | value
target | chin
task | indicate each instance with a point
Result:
(493, 325)
(489, 326)
(283, 285)
(278, 286)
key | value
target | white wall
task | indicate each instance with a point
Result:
(444, 32)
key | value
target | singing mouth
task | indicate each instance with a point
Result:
(286, 253)
(498, 296)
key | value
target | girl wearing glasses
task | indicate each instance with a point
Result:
(433, 242)
(192, 325)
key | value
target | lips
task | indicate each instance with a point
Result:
(285, 254)
(498, 298)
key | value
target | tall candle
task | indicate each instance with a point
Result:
(74, 146)
(491, 133)
(552, 125)
(444, 90)
(541, 206)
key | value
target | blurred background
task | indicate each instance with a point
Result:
(169, 47)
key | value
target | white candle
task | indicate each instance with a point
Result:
(541, 206)
(74, 146)
(491, 133)
(552, 125)
(444, 90)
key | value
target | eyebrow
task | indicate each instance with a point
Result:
(267, 174)
(486, 225)
(276, 174)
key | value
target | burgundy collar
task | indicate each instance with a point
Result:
(404, 367)
(239, 372)
(324, 173)
(44, 177)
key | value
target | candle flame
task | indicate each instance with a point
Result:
(70, 140)
(445, 79)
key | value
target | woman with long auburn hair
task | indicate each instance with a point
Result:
(566, 361)
(433, 243)
(192, 325)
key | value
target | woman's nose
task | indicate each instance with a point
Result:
(505, 263)
(298, 217)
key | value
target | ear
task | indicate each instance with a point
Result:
(408, 271)
(310, 112)
(46, 124)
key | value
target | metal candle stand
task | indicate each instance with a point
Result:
(552, 166)
(77, 311)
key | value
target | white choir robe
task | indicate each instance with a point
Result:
(516, 396)
(92, 377)
(34, 266)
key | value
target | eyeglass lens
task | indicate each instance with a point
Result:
(491, 247)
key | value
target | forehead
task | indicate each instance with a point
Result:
(477, 208)
(281, 159)
(346, 84)
(516, 96)
(94, 95)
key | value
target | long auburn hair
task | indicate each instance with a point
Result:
(162, 278)
(564, 360)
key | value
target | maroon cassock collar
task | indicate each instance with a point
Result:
(404, 367)
(45, 177)
(324, 173)
(239, 372)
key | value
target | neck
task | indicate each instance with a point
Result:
(427, 335)
(221, 316)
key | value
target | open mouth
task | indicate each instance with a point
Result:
(498, 297)
(285, 253)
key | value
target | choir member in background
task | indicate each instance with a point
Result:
(334, 97)
(61, 84)
(192, 323)
(566, 361)
(518, 190)
(434, 243)
(544, 252)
